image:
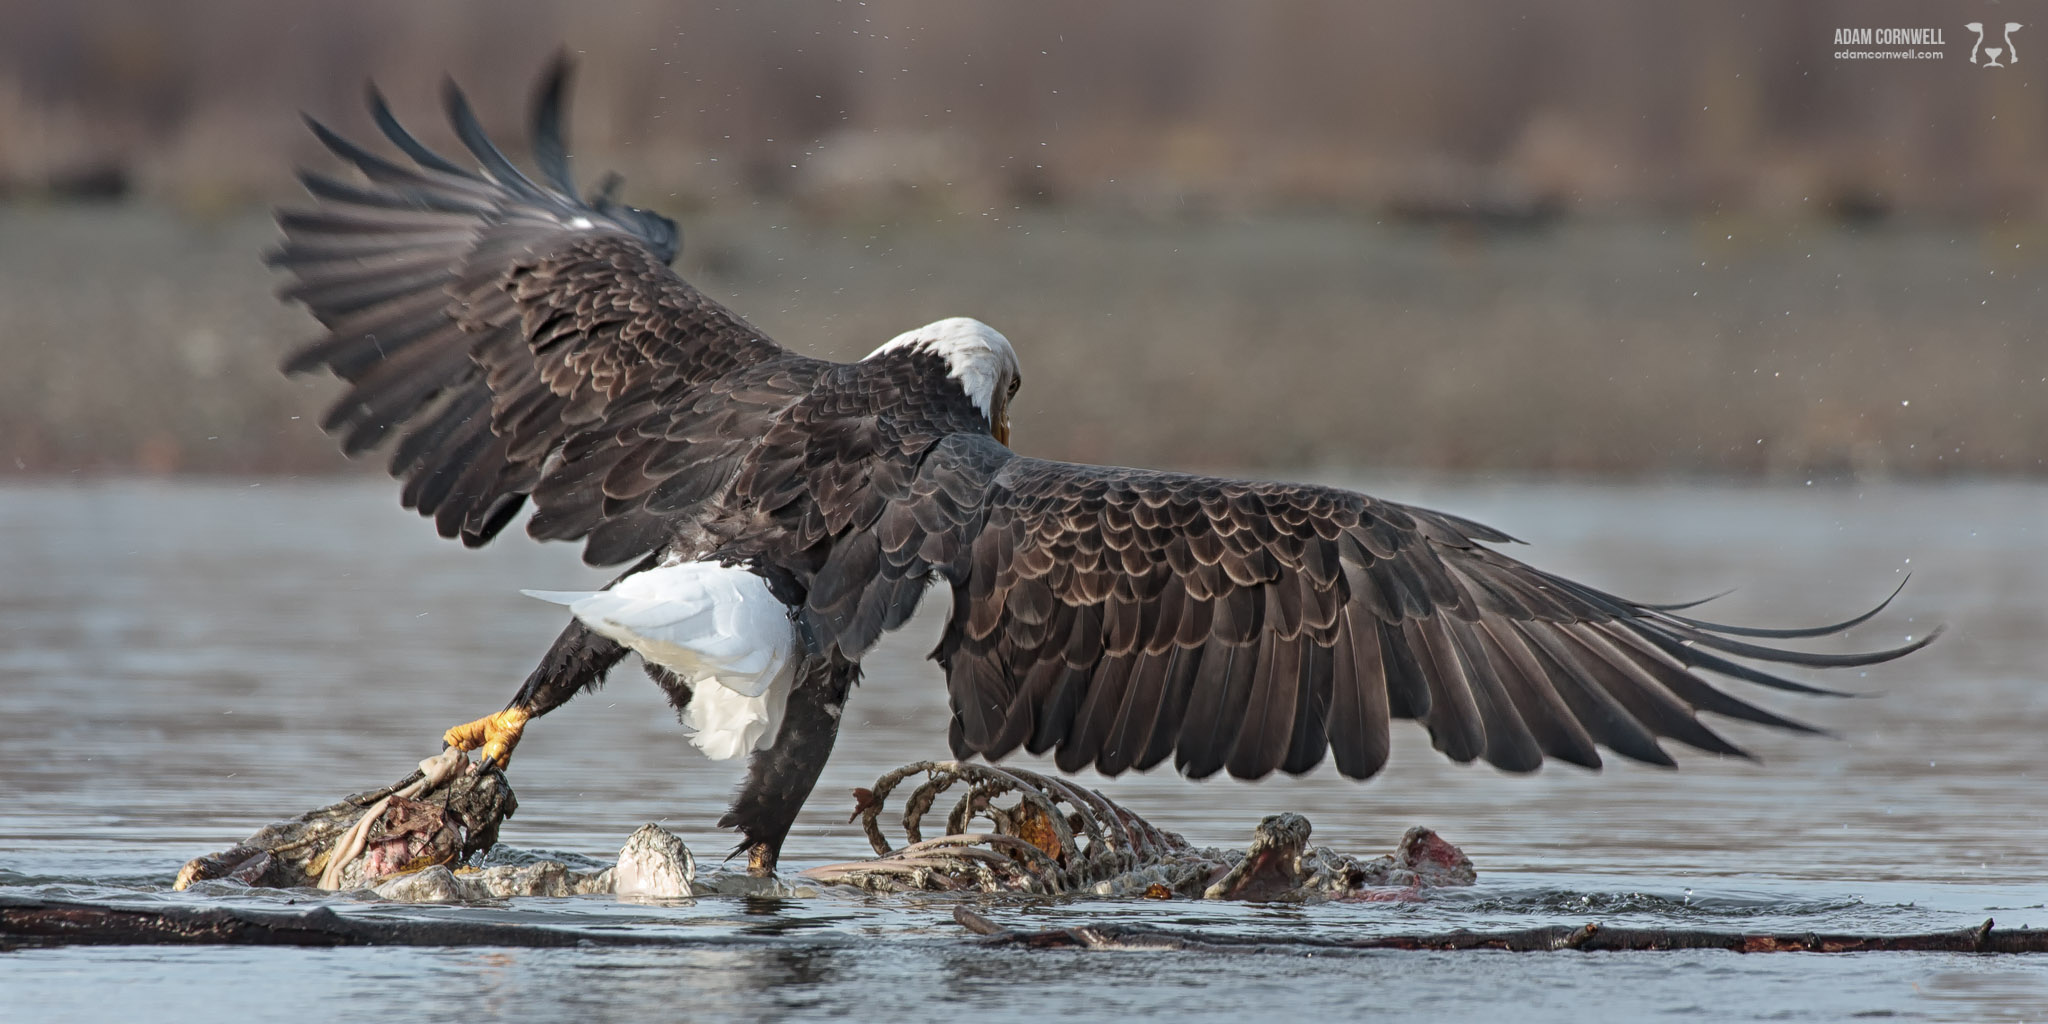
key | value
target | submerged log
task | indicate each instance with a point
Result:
(29, 922)
(1589, 938)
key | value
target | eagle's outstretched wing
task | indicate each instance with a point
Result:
(1117, 616)
(526, 340)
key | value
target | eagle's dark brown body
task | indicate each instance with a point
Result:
(528, 345)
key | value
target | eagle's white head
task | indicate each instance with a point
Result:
(977, 356)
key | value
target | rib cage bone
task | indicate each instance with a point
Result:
(1061, 838)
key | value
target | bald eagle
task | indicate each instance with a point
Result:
(520, 344)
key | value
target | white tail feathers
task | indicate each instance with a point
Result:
(717, 627)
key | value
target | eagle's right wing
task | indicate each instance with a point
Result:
(528, 342)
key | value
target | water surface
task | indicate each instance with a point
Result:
(181, 663)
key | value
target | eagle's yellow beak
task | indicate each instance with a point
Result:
(1001, 430)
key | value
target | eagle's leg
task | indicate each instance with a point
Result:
(780, 778)
(578, 661)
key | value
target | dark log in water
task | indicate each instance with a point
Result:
(31, 922)
(1592, 937)
(27, 922)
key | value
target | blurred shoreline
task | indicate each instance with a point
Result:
(1585, 239)
(1513, 110)
(145, 339)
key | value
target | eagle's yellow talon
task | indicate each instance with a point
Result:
(496, 735)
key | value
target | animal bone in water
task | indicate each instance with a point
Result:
(421, 840)
(422, 847)
(1062, 838)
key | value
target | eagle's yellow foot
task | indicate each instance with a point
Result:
(495, 734)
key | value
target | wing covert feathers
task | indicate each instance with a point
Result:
(1112, 617)
(491, 321)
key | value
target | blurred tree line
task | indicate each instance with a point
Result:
(1490, 109)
